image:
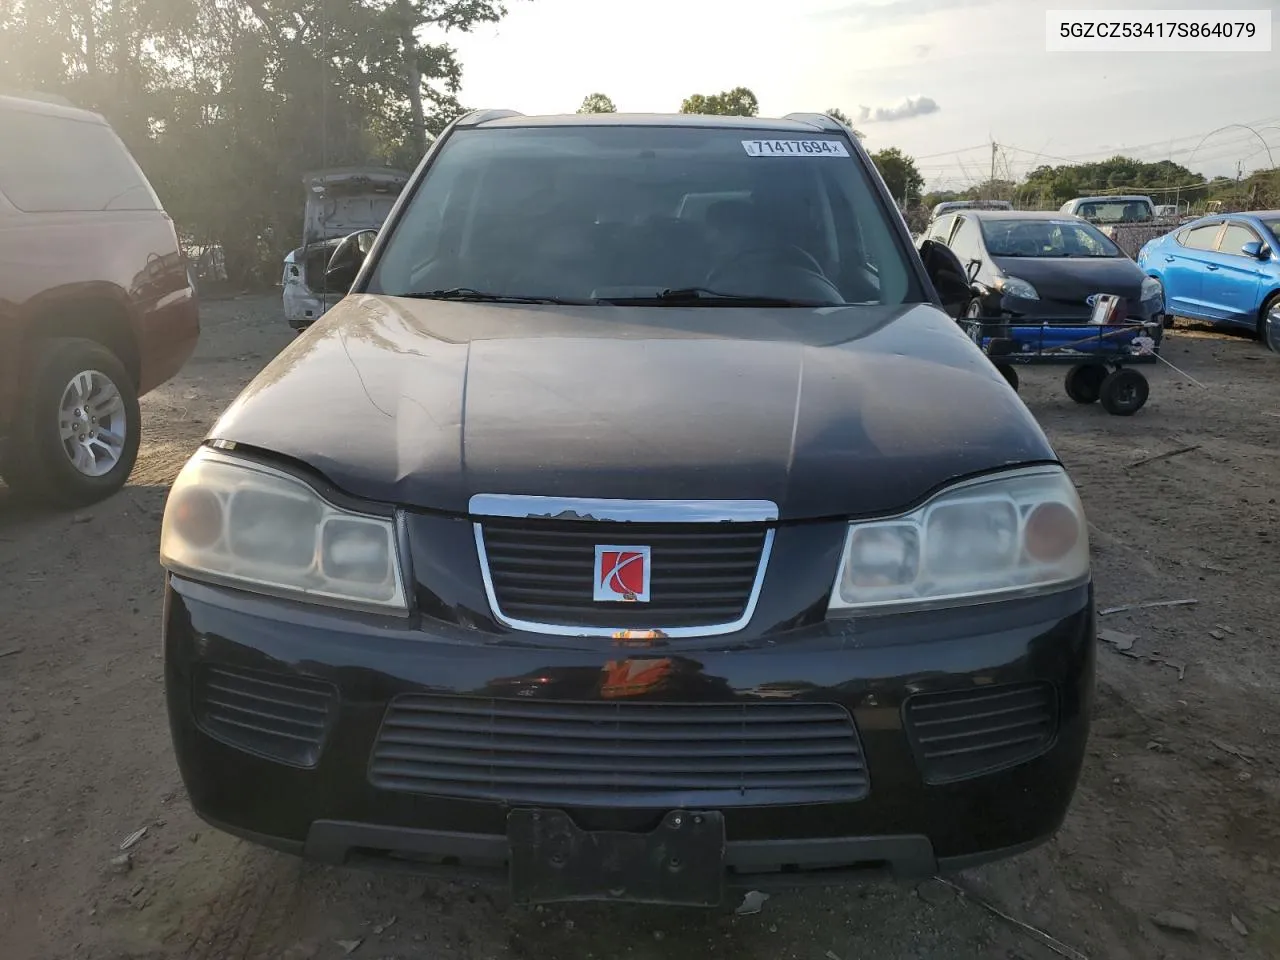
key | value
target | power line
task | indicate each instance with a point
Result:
(1155, 145)
(1165, 147)
(950, 153)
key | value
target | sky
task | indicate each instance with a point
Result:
(941, 79)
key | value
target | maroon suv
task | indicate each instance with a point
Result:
(96, 307)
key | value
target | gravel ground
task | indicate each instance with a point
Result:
(1176, 821)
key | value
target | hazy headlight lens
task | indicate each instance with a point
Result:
(275, 527)
(1151, 290)
(196, 516)
(356, 550)
(237, 522)
(1016, 533)
(1017, 287)
(883, 556)
(971, 535)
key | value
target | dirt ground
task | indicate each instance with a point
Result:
(1178, 810)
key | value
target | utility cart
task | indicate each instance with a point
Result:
(1101, 355)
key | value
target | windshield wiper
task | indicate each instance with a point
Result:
(701, 296)
(467, 295)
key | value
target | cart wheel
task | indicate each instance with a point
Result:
(1084, 382)
(1124, 392)
(1009, 374)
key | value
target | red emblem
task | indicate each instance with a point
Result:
(622, 574)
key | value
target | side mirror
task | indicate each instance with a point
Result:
(348, 257)
(948, 276)
(1256, 249)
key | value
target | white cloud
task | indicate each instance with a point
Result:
(909, 107)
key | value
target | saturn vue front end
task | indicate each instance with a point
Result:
(639, 524)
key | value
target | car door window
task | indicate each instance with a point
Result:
(1234, 237)
(940, 229)
(55, 165)
(1202, 238)
(965, 241)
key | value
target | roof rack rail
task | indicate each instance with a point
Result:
(477, 117)
(819, 120)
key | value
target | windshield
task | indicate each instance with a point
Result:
(1272, 224)
(1115, 211)
(627, 213)
(1045, 238)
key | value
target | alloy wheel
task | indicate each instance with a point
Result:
(92, 424)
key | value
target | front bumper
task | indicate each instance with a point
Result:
(1003, 305)
(912, 820)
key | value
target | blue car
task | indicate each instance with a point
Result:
(1222, 269)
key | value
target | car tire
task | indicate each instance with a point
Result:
(50, 462)
(1084, 382)
(1124, 392)
(1269, 332)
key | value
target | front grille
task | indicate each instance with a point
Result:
(967, 733)
(657, 755)
(702, 575)
(275, 715)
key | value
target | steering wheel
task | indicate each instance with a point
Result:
(789, 255)
(1026, 246)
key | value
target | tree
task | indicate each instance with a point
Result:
(838, 115)
(1053, 186)
(899, 173)
(738, 102)
(227, 103)
(597, 103)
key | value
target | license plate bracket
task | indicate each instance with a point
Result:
(679, 863)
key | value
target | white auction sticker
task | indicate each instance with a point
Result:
(795, 148)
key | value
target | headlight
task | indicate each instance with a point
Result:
(1013, 534)
(236, 522)
(1151, 290)
(1017, 287)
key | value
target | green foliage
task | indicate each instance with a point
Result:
(899, 172)
(738, 102)
(1052, 186)
(597, 103)
(226, 103)
(838, 115)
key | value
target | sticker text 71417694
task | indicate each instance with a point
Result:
(795, 148)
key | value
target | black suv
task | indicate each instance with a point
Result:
(639, 523)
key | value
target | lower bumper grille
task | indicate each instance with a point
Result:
(658, 755)
(274, 715)
(968, 733)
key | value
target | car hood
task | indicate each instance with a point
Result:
(837, 411)
(1074, 278)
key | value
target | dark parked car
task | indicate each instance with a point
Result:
(630, 543)
(1222, 269)
(96, 307)
(1032, 264)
